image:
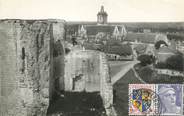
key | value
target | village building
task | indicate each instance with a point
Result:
(97, 30)
(91, 35)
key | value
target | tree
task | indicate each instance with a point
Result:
(175, 62)
(159, 43)
(145, 59)
(121, 49)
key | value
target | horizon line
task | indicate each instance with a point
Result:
(89, 21)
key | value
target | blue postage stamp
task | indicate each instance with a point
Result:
(171, 99)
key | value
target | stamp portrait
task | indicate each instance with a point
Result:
(171, 99)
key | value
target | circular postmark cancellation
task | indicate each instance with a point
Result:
(143, 100)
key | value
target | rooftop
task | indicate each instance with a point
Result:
(143, 37)
(94, 29)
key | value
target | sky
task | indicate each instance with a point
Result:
(86, 10)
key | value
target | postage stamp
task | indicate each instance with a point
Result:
(171, 99)
(142, 99)
(156, 99)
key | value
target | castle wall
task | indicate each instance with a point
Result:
(57, 82)
(26, 72)
(8, 80)
(82, 71)
(94, 68)
(106, 89)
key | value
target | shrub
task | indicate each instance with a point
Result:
(161, 65)
(175, 62)
(145, 59)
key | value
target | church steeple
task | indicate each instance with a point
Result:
(102, 9)
(102, 16)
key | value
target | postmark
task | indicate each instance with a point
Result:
(171, 99)
(143, 99)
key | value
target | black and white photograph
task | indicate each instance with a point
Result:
(78, 57)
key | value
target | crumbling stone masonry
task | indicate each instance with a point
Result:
(88, 71)
(26, 59)
(34, 68)
(106, 88)
(57, 83)
(82, 71)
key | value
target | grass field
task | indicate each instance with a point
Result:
(121, 92)
(116, 66)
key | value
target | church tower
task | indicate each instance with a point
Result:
(102, 16)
